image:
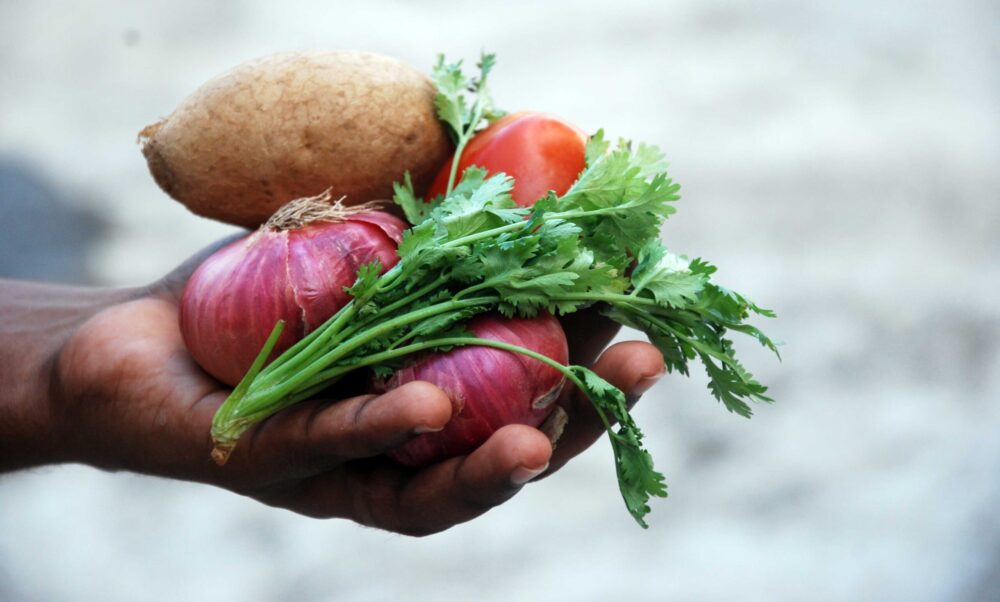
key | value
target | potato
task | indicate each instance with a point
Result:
(293, 125)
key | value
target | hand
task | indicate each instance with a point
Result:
(127, 395)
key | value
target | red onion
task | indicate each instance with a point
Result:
(489, 388)
(294, 268)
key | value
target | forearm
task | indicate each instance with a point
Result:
(36, 320)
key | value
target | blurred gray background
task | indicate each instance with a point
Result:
(840, 163)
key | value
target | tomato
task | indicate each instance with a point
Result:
(540, 151)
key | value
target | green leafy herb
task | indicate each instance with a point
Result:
(461, 115)
(637, 478)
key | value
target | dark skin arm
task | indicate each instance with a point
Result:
(101, 377)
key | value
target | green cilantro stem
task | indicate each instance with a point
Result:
(276, 388)
(227, 417)
(463, 140)
(453, 109)
(306, 349)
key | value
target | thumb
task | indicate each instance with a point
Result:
(171, 286)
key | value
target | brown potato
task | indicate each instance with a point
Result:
(293, 125)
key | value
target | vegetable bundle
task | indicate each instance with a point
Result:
(473, 251)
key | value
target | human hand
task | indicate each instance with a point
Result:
(128, 396)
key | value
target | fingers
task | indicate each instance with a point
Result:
(384, 495)
(314, 436)
(633, 367)
(379, 493)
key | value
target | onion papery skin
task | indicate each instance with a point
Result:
(233, 300)
(489, 388)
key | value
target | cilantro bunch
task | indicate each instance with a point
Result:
(474, 251)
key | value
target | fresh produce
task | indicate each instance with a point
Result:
(474, 250)
(541, 152)
(294, 268)
(489, 388)
(292, 125)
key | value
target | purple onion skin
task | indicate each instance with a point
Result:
(489, 388)
(233, 300)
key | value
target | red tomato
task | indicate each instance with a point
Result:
(541, 152)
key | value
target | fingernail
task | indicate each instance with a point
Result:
(420, 430)
(554, 425)
(646, 384)
(522, 475)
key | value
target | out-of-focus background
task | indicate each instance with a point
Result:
(840, 163)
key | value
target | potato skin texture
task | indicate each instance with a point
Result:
(292, 125)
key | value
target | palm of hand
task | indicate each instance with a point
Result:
(135, 399)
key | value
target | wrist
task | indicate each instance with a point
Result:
(36, 321)
(27, 429)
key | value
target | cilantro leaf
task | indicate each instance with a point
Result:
(619, 207)
(414, 207)
(477, 203)
(650, 160)
(366, 282)
(637, 478)
(667, 276)
(439, 325)
(596, 147)
(451, 85)
(460, 115)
